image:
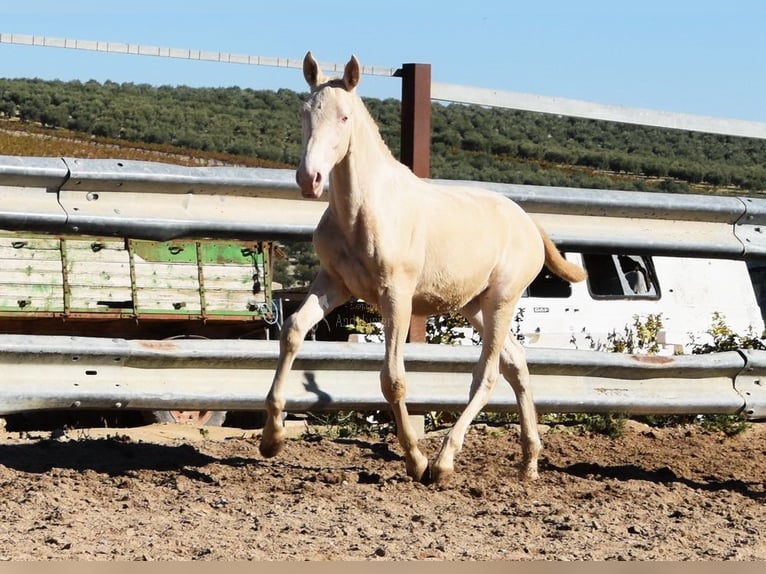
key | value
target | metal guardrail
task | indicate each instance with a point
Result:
(161, 202)
(54, 372)
(147, 200)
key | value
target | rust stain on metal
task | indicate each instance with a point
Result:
(158, 345)
(652, 359)
(611, 391)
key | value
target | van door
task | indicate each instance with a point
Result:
(548, 312)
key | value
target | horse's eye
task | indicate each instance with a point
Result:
(344, 119)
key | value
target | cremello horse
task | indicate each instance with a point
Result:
(409, 246)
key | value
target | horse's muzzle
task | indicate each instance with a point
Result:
(311, 184)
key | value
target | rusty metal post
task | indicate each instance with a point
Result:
(416, 142)
(416, 118)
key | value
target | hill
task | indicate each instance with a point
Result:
(249, 127)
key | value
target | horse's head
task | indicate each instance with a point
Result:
(327, 118)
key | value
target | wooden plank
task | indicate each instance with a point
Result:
(102, 252)
(231, 272)
(169, 276)
(17, 248)
(230, 288)
(101, 257)
(180, 301)
(30, 272)
(17, 277)
(95, 245)
(233, 278)
(99, 273)
(30, 297)
(21, 242)
(89, 298)
(23, 254)
(233, 301)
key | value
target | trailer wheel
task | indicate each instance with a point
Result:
(196, 418)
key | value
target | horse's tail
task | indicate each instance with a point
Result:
(556, 262)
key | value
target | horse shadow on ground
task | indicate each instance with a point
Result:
(377, 450)
(115, 456)
(110, 456)
(663, 475)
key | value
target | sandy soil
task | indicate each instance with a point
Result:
(181, 493)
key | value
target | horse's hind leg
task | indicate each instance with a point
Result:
(513, 365)
(494, 331)
(324, 295)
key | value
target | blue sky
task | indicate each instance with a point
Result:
(699, 57)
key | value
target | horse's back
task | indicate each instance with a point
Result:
(479, 219)
(474, 238)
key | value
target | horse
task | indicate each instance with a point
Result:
(410, 246)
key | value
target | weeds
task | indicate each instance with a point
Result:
(345, 424)
(609, 424)
(725, 339)
(640, 338)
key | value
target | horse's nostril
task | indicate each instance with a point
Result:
(317, 179)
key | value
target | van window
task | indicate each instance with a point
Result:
(546, 284)
(621, 276)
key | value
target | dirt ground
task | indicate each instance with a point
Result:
(173, 492)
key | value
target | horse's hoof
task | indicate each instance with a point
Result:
(528, 474)
(440, 477)
(425, 477)
(420, 472)
(270, 449)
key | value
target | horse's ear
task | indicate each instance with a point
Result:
(311, 71)
(352, 74)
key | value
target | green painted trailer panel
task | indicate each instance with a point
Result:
(93, 276)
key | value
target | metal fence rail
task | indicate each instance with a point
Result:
(170, 52)
(91, 373)
(148, 200)
(595, 111)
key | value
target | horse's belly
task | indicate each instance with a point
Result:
(444, 296)
(362, 288)
(426, 304)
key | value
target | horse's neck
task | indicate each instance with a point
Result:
(357, 181)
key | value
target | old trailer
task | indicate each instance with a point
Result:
(128, 288)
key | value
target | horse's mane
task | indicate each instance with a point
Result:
(361, 108)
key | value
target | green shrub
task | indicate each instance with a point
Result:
(639, 338)
(724, 339)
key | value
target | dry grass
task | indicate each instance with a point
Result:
(21, 139)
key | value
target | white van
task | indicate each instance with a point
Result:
(686, 292)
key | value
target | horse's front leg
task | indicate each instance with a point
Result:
(325, 294)
(396, 313)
